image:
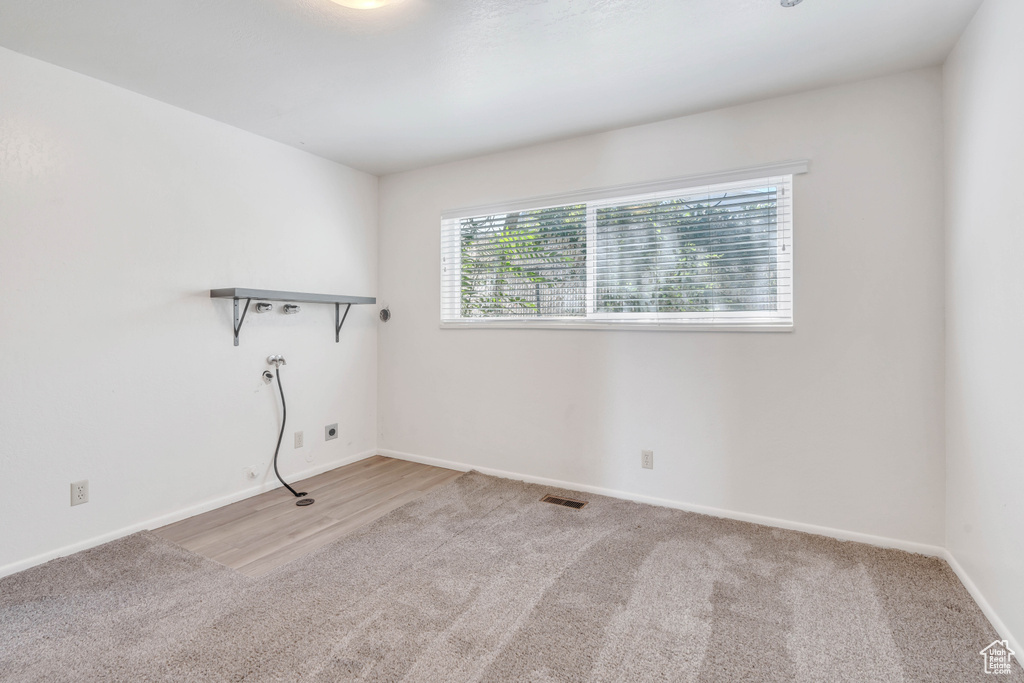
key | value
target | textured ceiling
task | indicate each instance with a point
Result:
(423, 81)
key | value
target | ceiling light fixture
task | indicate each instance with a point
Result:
(785, 3)
(363, 4)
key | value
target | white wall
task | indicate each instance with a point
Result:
(838, 424)
(117, 215)
(985, 308)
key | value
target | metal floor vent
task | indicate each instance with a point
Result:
(567, 502)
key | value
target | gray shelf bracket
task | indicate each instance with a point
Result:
(250, 295)
(339, 320)
(239, 321)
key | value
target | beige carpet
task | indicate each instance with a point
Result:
(479, 581)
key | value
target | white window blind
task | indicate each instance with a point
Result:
(707, 256)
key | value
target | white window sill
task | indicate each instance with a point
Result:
(618, 325)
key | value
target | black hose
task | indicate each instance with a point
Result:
(284, 420)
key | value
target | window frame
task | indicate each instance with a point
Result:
(450, 258)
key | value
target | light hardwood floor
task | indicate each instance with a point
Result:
(259, 534)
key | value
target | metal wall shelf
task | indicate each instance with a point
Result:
(338, 300)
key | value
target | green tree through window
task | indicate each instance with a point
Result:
(693, 254)
(530, 263)
(717, 254)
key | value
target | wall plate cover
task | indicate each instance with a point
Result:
(80, 492)
(331, 432)
(647, 460)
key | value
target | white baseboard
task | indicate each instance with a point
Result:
(841, 534)
(998, 624)
(178, 515)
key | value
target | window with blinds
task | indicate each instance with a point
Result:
(718, 255)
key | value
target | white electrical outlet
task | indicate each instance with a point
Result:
(79, 492)
(647, 460)
(298, 439)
